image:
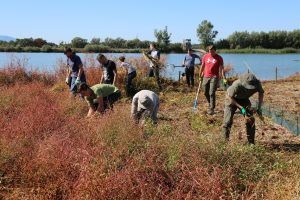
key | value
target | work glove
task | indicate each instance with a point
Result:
(77, 82)
(243, 111)
(67, 81)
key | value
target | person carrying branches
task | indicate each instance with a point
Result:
(237, 97)
(153, 56)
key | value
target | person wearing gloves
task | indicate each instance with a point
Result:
(75, 72)
(237, 97)
(145, 105)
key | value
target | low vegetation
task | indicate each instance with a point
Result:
(49, 150)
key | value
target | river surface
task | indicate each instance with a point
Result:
(263, 65)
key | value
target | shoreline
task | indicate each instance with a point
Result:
(117, 50)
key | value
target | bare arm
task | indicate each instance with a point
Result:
(222, 72)
(80, 70)
(102, 76)
(91, 112)
(115, 76)
(201, 70)
(68, 73)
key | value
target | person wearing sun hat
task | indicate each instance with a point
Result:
(237, 97)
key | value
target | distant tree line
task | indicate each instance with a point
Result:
(205, 32)
(267, 40)
(94, 45)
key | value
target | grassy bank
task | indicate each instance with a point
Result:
(49, 150)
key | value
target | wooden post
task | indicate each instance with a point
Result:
(276, 74)
(281, 117)
(179, 75)
(298, 125)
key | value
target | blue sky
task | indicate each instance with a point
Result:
(62, 20)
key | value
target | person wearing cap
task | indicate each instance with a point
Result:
(109, 70)
(237, 97)
(99, 97)
(75, 72)
(154, 69)
(211, 68)
(145, 104)
(131, 74)
(189, 64)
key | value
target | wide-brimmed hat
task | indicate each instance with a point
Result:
(249, 81)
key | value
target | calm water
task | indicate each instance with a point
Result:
(263, 65)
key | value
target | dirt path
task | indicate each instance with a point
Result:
(176, 108)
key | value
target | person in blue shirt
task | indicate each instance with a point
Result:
(189, 64)
(75, 72)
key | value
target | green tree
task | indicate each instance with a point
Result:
(95, 41)
(78, 42)
(163, 36)
(206, 34)
(39, 42)
(26, 42)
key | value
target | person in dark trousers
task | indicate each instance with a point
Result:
(75, 72)
(109, 70)
(237, 97)
(211, 68)
(99, 97)
(131, 71)
(154, 67)
(189, 64)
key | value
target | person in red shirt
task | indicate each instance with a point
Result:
(211, 70)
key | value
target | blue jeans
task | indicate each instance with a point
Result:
(73, 86)
(130, 77)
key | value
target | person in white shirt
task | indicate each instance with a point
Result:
(154, 68)
(145, 105)
(131, 74)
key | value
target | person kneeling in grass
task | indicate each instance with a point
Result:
(145, 104)
(99, 97)
(131, 71)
